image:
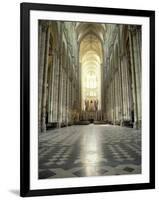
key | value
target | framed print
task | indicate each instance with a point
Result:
(87, 99)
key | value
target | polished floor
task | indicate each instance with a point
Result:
(89, 150)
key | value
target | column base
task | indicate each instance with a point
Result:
(127, 123)
(58, 124)
(43, 128)
(137, 124)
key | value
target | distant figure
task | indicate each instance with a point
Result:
(96, 105)
(86, 105)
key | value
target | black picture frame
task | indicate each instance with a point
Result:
(25, 9)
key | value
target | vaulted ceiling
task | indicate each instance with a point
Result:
(90, 37)
(84, 29)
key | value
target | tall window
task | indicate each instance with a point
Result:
(91, 80)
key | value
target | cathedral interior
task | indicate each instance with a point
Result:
(89, 99)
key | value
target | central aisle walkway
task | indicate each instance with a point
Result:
(89, 150)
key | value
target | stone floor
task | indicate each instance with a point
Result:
(89, 150)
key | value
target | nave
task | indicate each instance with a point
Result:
(89, 72)
(89, 99)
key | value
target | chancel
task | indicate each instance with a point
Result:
(89, 99)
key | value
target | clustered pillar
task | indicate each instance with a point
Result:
(123, 80)
(56, 75)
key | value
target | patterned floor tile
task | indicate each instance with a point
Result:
(90, 150)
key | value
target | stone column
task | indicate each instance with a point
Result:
(116, 95)
(60, 112)
(55, 86)
(67, 89)
(41, 60)
(133, 78)
(123, 90)
(126, 89)
(59, 78)
(64, 97)
(116, 89)
(119, 98)
(126, 106)
(121, 93)
(137, 63)
(50, 85)
(45, 82)
(67, 85)
(101, 103)
(121, 112)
